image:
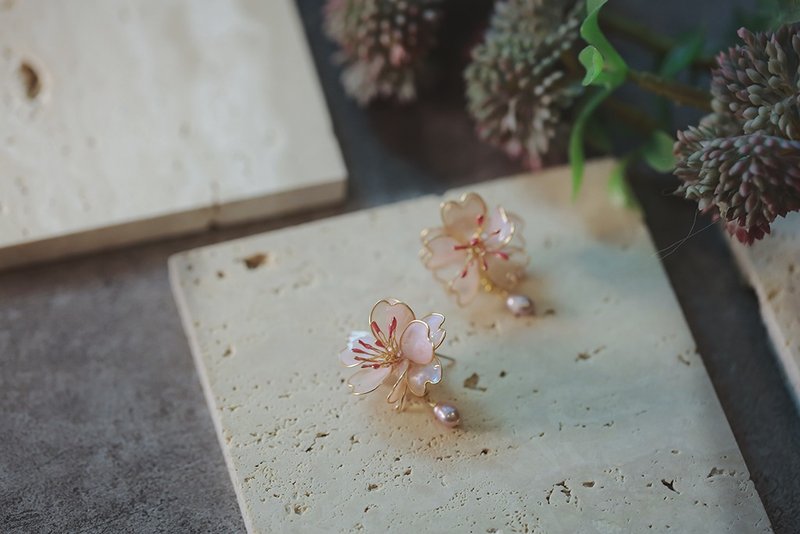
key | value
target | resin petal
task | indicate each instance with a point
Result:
(367, 380)
(357, 348)
(461, 218)
(441, 252)
(466, 287)
(391, 318)
(419, 376)
(415, 343)
(399, 377)
(499, 229)
(435, 321)
(506, 273)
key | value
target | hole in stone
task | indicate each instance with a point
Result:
(255, 261)
(669, 484)
(31, 80)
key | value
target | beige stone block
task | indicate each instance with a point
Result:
(596, 416)
(127, 120)
(773, 268)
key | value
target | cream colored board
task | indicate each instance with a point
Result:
(596, 416)
(773, 268)
(154, 118)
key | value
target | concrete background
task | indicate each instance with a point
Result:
(103, 426)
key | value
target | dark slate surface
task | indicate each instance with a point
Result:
(103, 426)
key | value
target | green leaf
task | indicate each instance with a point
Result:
(618, 188)
(657, 152)
(576, 154)
(615, 66)
(681, 56)
(593, 62)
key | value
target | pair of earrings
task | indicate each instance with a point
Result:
(475, 249)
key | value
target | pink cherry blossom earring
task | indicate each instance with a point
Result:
(399, 349)
(477, 249)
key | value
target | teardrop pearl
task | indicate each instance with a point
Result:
(447, 414)
(520, 305)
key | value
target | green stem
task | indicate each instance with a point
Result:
(647, 38)
(675, 91)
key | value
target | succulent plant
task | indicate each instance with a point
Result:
(759, 82)
(747, 180)
(518, 85)
(742, 162)
(383, 44)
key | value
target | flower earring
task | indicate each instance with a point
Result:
(399, 349)
(477, 249)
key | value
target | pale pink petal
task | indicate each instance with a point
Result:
(399, 378)
(441, 251)
(363, 344)
(435, 321)
(466, 284)
(461, 218)
(415, 344)
(420, 375)
(498, 230)
(505, 273)
(386, 312)
(367, 380)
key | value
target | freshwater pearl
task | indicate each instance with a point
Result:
(520, 305)
(447, 414)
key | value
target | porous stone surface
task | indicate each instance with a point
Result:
(597, 415)
(128, 120)
(773, 267)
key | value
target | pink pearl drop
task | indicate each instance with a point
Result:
(447, 414)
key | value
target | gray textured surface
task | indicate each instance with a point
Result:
(103, 426)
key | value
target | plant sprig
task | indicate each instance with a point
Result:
(605, 71)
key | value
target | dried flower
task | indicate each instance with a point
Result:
(384, 44)
(517, 84)
(742, 162)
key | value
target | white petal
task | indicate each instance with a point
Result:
(415, 344)
(435, 321)
(420, 375)
(367, 380)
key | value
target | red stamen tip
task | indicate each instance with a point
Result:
(464, 273)
(393, 326)
(503, 255)
(357, 351)
(380, 343)
(480, 220)
(375, 328)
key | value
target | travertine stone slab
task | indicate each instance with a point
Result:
(773, 267)
(595, 416)
(129, 119)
